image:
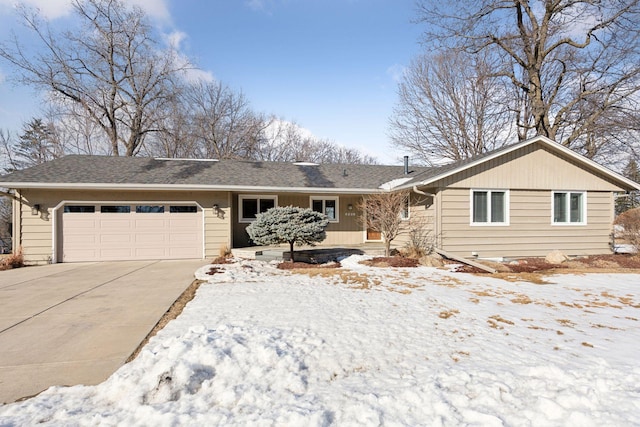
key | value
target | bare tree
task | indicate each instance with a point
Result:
(223, 124)
(450, 108)
(109, 68)
(574, 63)
(383, 213)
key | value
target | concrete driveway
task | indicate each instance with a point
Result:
(68, 324)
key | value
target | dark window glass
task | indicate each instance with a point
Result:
(149, 209)
(560, 207)
(480, 206)
(249, 208)
(115, 209)
(498, 206)
(183, 209)
(79, 209)
(316, 205)
(266, 204)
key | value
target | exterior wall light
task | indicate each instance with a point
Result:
(35, 209)
(350, 207)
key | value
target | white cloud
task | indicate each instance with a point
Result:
(52, 9)
(155, 8)
(396, 72)
(191, 73)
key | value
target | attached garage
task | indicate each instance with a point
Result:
(113, 232)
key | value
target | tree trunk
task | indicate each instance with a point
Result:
(387, 247)
(291, 250)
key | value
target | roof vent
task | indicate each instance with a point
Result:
(406, 165)
(305, 164)
(344, 172)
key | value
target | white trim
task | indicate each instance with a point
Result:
(584, 208)
(185, 187)
(324, 199)
(56, 208)
(507, 206)
(538, 139)
(241, 197)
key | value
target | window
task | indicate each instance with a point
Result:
(79, 209)
(404, 214)
(489, 207)
(115, 209)
(149, 209)
(250, 206)
(327, 206)
(569, 207)
(183, 209)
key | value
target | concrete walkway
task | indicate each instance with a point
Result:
(67, 324)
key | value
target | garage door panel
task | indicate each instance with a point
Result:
(150, 239)
(115, 238)
(151, 221)
(94, 236)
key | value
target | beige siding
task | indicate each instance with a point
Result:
(530, 232)
(422, 219)
(347, 231)
(533, 167)
(36, 234)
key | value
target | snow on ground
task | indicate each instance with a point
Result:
(260, 346)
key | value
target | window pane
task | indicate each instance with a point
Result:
(79, 209)
(576, 207)
(480, 206)
(316, 205)
(149, 209)
(330, 209)
(559, 207)
(498, 206)
(115, 209)
(405, 210)
(266, 204)
(183, 209)
(249, 208)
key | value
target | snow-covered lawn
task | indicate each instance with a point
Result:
(260, 346)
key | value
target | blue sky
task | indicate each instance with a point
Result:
(329, 65)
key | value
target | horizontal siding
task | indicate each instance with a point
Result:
(530, 232)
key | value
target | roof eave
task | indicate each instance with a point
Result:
(184, 187)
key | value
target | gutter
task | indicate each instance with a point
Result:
(187, 187)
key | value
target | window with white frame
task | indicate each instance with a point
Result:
(250, 206)
(404, 213)
(569, 207)
(489, 207)
(327, 206)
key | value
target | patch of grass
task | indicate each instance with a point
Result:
(566, 322)
(448, 313)
(394, 261)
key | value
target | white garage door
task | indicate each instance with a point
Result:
(131, 232)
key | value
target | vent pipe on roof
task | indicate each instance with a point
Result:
(406, 165)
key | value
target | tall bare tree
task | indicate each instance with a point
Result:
(109, 67)
(450, 108)
(575, 64)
